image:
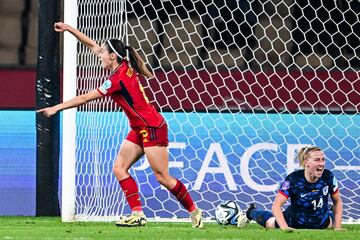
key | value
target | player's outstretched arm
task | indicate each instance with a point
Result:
(277, 212)
(338, 210)
(84, 39)
(75, 102)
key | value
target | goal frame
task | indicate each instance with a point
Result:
(69, 116)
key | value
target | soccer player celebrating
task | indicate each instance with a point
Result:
(309, 191)
(149, 131)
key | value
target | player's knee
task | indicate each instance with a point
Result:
(162, 178)
(119, 172)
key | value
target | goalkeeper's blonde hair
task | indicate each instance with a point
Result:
(304, 152)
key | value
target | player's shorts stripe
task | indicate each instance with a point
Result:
(151, 132)
(153, 136)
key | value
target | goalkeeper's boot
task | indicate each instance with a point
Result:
(196, 218)
(134, 220)
(251, 207)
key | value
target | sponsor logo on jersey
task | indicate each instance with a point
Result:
(312, 191)
(304, 194)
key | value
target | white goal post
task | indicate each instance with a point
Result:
(242, 84)
(69, 117)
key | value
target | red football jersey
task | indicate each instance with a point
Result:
(126, 90)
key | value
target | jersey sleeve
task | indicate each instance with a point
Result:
(284, 188)
(334, 187)
(109, 87)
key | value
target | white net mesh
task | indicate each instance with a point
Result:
(242, 85)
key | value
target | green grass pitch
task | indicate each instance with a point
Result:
(52, 228)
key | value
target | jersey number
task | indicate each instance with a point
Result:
(143, 92)
(319, 204)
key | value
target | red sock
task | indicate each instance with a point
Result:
(131, 192)
(182, 194)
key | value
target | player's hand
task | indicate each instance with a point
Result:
(49, 111)
(60, 27)
(288, 229)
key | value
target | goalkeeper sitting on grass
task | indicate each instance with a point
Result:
(149, 131)
(309, 191)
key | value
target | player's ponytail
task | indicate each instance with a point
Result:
(119, 48)
(137, 62)
(304, 152)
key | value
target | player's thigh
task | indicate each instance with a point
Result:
(159, 162)
(158, 158)
(128, 154)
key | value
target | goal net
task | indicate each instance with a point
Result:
(242, 84)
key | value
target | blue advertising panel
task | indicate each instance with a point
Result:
(225, 156)
(17, 162)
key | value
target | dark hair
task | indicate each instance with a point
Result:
(119, 48)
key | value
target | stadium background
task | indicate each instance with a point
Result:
(17, 133)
